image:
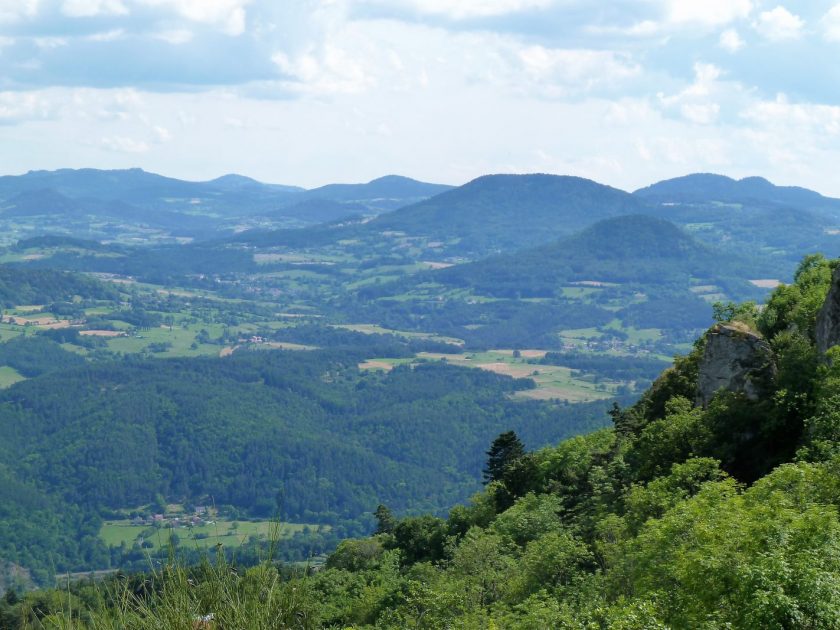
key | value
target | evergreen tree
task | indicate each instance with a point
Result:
(385, 521)
(505, 450)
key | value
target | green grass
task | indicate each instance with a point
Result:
(372, 329)
(9, 376)
(553, 382)
(581, 333)
(114, 533)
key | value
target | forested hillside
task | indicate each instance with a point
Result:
(303, 436)
(45, 286)
(705, 506)
(630, 249)
(507, 212)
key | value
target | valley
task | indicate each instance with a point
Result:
(378, 356)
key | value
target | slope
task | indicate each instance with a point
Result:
(381, 194)
(629, 249)
(507, 212)
(706, 187)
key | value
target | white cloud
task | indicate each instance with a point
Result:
(709, 12)
(807, 118)
(731, 41)
(779, 24)
(162, 134)
(91, 8)
(17, 107)
(123, 144)
(645, 28)
(579, 70)
(331, 70)
(831, 24)
(175, 37)
(107, 36)
(14, 10)
(462, 9)
(698, 103)
(228, 15)
(51, 42)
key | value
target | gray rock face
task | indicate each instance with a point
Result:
(828, 320)
(735, 359)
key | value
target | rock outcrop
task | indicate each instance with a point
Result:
(828, 319)
(736, 359)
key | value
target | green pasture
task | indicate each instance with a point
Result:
(224, 532)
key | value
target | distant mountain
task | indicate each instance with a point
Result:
(778, 224)
(627, 249)
(382, 194)
(705, 187)
(60, 208)
(497, 213)
(240, 182)
(321, 210)
(230, 195)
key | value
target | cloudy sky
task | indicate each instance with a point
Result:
(314, 91)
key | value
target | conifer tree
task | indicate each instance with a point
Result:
(505, 450)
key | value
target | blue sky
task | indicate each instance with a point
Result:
(308, 92)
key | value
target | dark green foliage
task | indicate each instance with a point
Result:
(794, 307)
(33, 356)
(420, 538)
(619, 368)
(42, 286)
(305, 436)
(508, 212)
(385, 521)
(627, 249)
(640, 527)
(504, 451)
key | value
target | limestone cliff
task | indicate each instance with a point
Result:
(828, 320)
(735, 359)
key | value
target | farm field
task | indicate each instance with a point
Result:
(227, 533)
(553, 382)
(9, 376)
(373, 329)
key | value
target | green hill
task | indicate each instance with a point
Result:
(629, 249)
(507, 212)
(774, 224)
(303, 435)
(22, 286)
(705, 187)
(642, 271)
(682, 515)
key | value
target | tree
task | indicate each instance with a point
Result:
(385, 521)
(505, 450)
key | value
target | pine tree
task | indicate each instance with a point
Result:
(505, 450)
(385, 521)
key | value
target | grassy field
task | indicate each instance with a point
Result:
(9, 376)
(553, 382)
(224, 532)
(372, 329)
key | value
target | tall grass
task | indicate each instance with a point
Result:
(215, 595)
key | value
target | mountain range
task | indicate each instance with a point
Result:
(193, 208)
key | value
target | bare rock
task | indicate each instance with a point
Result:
(828, 319)
(735, 359)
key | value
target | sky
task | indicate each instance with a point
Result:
(308, 92)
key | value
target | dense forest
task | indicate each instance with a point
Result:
(304, 436)
(45, 286)
(682, 515)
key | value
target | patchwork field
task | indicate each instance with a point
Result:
(220, 532)
(373, 329)
(553, 382)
